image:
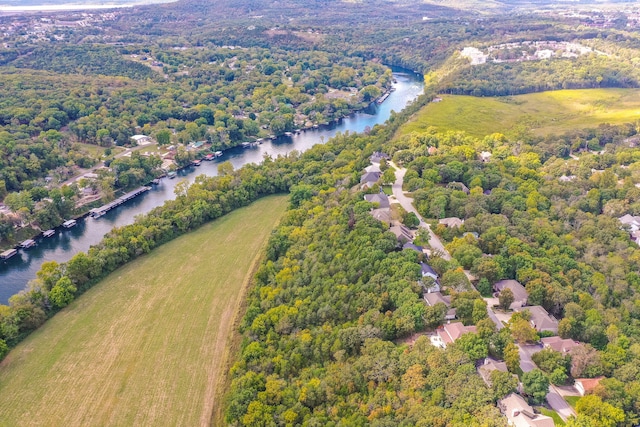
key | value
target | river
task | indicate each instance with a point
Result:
(17, 271)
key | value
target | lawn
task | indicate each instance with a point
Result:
(541, 113)
(553, 414)
(572, 400)
(150, 344)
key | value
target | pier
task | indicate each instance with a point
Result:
(98, 212)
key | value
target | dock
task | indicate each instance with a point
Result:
(69, 224)
(383, 98)
(49, 233)
(8, 253)
(98, 212)
(172, 174)
(196, 162)
(28, 244)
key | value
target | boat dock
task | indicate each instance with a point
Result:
(49, 233)
(28, 243)
(8, 253)
(383, 98)
(98, 212)
(69, 224)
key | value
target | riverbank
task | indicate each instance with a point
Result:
(18, 271)
(65, 7)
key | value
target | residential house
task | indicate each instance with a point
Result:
(451, 222)
(450, 332)
(459, 186)
(434, 298)
(141, 139)
(431, 283)
(382, 215)
(485, 156)
(632, 221)
(540, 319)
(402, 232)
(488, 366)
(563, 346)
(377, 157)
(586, 385)
(520, 294)
(520, 414)
(412, 247)
(373, 168)
(381, 199)
(369, 179)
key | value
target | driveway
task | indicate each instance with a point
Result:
(407, 204)
(492, 316)
(557, 402)
(526, 351)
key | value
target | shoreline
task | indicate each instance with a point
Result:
(66, 7)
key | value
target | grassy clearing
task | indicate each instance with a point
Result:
(149, 345)
(553, 414)
(572, 400)
(541, 113)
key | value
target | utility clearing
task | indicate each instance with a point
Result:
(541, 113)
(149, 345)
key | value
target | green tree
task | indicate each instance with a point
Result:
(505, 298)
(473, 346)
(601, 413)
(62, 293)
(502, 384)
(512, 357)
(535, 384)
(163, 136)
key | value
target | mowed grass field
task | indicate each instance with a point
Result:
(542, 113)
(149, 345)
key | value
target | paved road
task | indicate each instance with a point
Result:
(407, 204)
(526, 351)
(492, 316)
(557, 402)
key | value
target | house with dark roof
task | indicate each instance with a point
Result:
(378, 156)
(540, 319)
(369, 179)
(520, 294)
(458, 186)
(412, 247)
(429, 280)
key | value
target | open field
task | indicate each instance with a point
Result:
(542, 113)
(149, 345)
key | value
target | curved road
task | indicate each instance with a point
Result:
(554, 398)
(407, 204)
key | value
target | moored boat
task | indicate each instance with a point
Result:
(49, 233)
(8, 253)
(70, 223)
(28, 244)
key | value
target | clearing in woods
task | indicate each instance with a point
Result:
(542, 113)
(149, 345)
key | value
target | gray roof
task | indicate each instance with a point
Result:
(451, 222)
(434, 298)
(413, 247)
(381, 199)
(370, 177)
(520, 294)
(427, 269)
(540, 319)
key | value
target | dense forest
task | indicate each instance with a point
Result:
(333, 332)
